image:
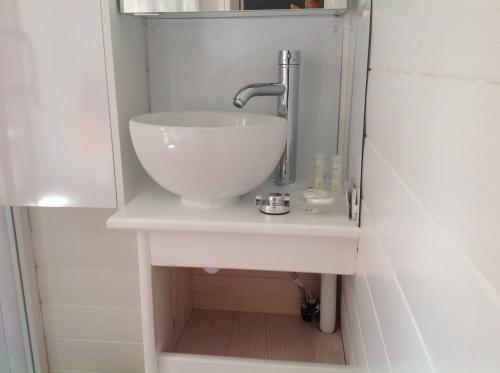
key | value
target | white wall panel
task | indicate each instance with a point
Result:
(128, 91)
(359, 18)
(433, 272)
(375, 350)
(69, 220)
(89, 287)
(94, 356)
(356, 354)
(84, 251)
(201, 63)
(444, 37)
(431, 205)
(446, 152)
(116, 324)
(88, 284)
(397, 326)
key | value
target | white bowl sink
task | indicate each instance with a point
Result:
(208, 158)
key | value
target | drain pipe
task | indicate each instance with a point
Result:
(328, 303)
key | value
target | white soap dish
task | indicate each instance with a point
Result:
(313, 201)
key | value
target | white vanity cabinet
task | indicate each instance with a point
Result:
(173, 240)
(60, 116)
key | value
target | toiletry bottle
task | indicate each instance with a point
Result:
(319, 171)
(336, 171)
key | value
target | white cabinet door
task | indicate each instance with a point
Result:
(55, 133)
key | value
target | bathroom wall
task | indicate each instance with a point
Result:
(201, 63)
(89, 291)
(426, 297)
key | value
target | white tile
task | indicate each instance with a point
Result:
(404, 346)
(94, 356)
(345, 328)
(115, 324)
(376, 355)
(456, 310)
(458, 38)
(115, 251)
(65, 220)
(351, 318)
(441, 136)
(89, 287)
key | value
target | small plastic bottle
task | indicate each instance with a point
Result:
(336, 172)
(319, 171)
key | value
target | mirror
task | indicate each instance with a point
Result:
(193, 7)
(281, 4)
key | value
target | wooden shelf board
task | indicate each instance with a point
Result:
(259, 335)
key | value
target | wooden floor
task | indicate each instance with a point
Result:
(259, 335)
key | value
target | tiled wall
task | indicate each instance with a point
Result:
(89, 289)
(426, 297)
(88, 284)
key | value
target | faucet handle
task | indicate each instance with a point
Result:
(288, 57)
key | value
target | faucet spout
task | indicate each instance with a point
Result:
(258, 89)
(287, 91)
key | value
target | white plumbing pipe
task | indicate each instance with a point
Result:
(328, 303)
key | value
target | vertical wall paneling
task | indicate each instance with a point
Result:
(431, 206)
(127, 79)
(375, 349)
(76, 355)
(356, 354)
(460, 119)
(88, 284)
(437, 38)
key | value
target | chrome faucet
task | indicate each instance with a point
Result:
(287, 88)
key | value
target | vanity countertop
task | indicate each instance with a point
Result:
(157, 209)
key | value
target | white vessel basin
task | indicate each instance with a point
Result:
(208, 158)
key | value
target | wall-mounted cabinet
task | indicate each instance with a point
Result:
(65, 110)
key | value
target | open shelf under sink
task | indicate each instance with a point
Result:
(235, 321)
(173, 238)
